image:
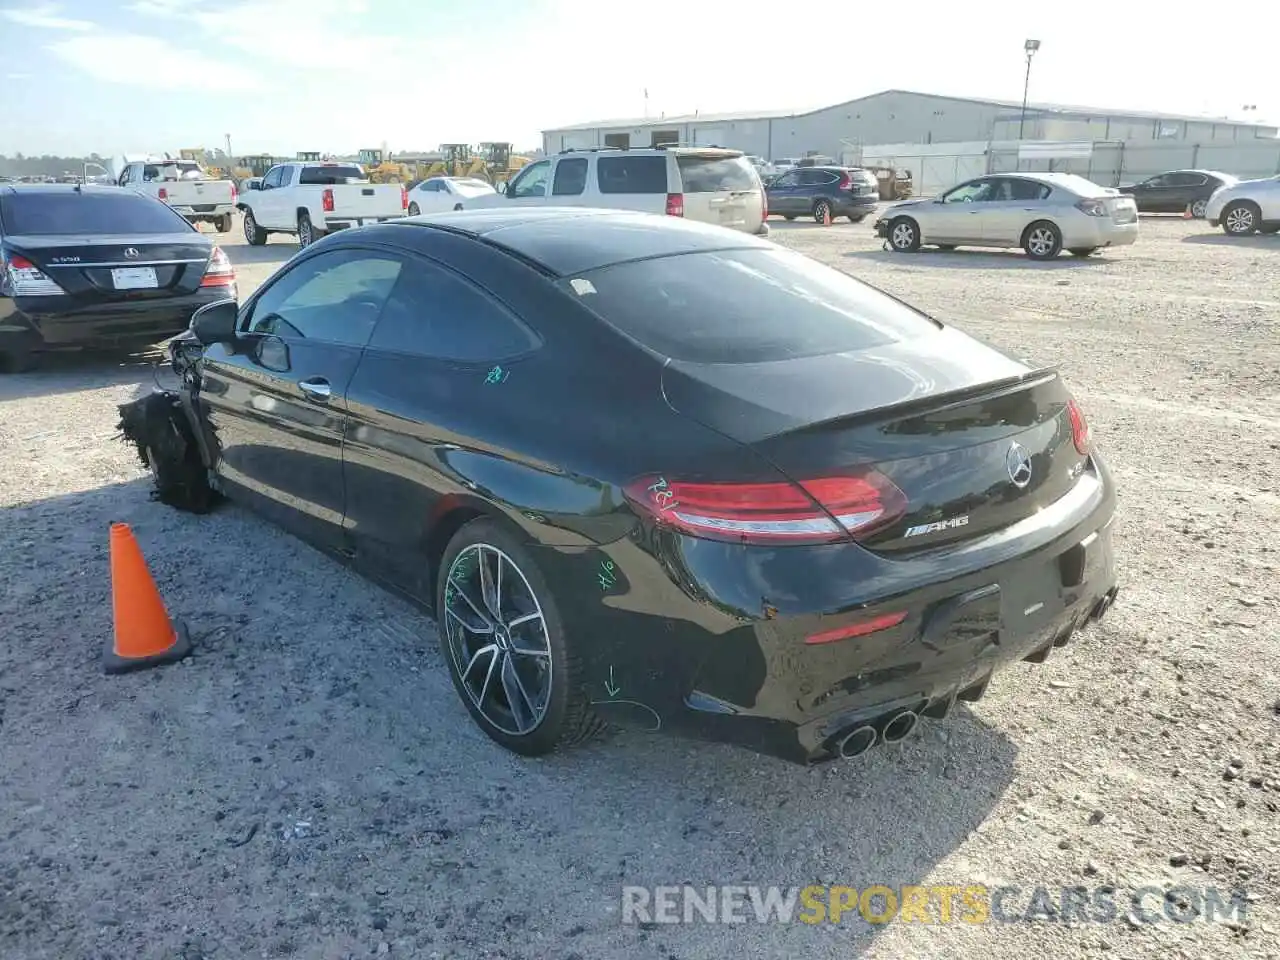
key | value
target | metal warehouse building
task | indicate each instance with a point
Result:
(899, 116)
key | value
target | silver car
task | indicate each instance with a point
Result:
(1043, 213)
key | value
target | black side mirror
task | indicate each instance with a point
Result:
(216, 322)
(254, 184)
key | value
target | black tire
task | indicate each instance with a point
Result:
(306, 232)
(821, 210)
(224, 223)
(1083, 251)
(1042, 240)
(457, 206)
(414, 210)
(158, 428)
(1240, 218)
(904, 235)
(1198, 208)
(788, 217)
(17, 360)
(568, 716)
(254, 235)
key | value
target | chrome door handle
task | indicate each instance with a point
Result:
(317, 389)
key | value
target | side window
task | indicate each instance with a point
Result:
(433, 312)
(335, 297)
(791, 179)
(532, 181)
(642, 174)
(1187, 180)
(571, 177)
(1027, 190)
(434, 186)
(150, 173)
(272, 179)
(1160, 181)
(286, 176)
(975, 191)
(124, 176)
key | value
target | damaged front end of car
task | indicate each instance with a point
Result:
(162, 428)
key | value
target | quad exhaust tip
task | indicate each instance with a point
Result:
(899, 726)
(857, 742)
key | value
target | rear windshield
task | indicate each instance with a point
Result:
(716, 174)
(89, 213)
(331, 175)
(744, 306)
(632, 174)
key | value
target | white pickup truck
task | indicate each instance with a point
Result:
(184, 185)
(312, 199)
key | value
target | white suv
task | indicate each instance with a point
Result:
(710, 185)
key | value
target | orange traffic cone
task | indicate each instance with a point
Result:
(144, 635)
(1187, 214)
(826, 216)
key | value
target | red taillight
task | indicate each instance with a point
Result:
(845, 182)
(764, 205)
(20, 263)
(675, 204)
(235, 195)
(163, 194)
(874, 625)
(327, 200)
(773, 512)
(1080, 434)
(404, 199)
(220, 272)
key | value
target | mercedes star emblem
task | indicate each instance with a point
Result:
(131, 253)
(1019, 463)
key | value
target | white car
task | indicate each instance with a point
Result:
(1043, 213)
(707, 184)
(441, 194)
(1246, 206)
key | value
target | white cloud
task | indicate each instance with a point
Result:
(44, 16)
(150, 62)
(159, 8)
(17, 76)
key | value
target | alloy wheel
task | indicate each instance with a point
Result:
(1240, 220)
(250, 227)
(497, 635)
(903, 236)
(1041, 241)
(304, 233)
(1198, 208)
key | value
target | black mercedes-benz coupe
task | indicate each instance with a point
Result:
(85, 266)
(651, 472)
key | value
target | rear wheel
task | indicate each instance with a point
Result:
(505, 645)
(414, 210)
(857, 217)
(224, 223)
(306, 232)
(1198, 208)
(821, 211)
(1240, 219)
(254, 235)
(1042, 240)
(904, 235)
(1083, 251)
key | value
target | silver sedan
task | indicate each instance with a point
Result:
(1043, 213)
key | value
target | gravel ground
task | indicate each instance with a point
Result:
(308, 785)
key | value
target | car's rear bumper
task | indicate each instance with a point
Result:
(855, 205)
(346, 223)
(708, 640)
(1085, 231)
(38, 323)
(210, 211)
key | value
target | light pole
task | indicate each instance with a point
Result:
(1029, 47)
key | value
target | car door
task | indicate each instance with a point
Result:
(1015, 203)
(569, 182)
(275, 400)
(426, 409)
(782, 193)
(1155, 194)
(1268, 199)
(957, 216)
(429, 196)
(530, 186)
(267, 205)
(1185, 188)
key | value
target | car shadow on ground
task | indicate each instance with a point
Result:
(978, 259)
(311, 782)
(1264, 241)
(275, 250)
(77, 370)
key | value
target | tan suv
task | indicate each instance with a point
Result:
(707, 184)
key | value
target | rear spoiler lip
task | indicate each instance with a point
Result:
(934, 403)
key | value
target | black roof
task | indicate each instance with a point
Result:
(62, 188)
(571, 240)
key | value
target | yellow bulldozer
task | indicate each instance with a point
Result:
(493, 162)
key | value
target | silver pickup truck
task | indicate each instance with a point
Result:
(309, 200)
(184, 185)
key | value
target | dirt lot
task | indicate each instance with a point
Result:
(308, 785)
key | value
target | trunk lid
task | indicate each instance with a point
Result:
(975, 441)
(366, 200)
(108, 269)
(193, 193)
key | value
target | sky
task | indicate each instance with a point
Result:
(280, 76)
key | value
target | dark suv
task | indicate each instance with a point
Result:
(819, 191)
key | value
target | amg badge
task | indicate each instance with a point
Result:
(950, 524)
